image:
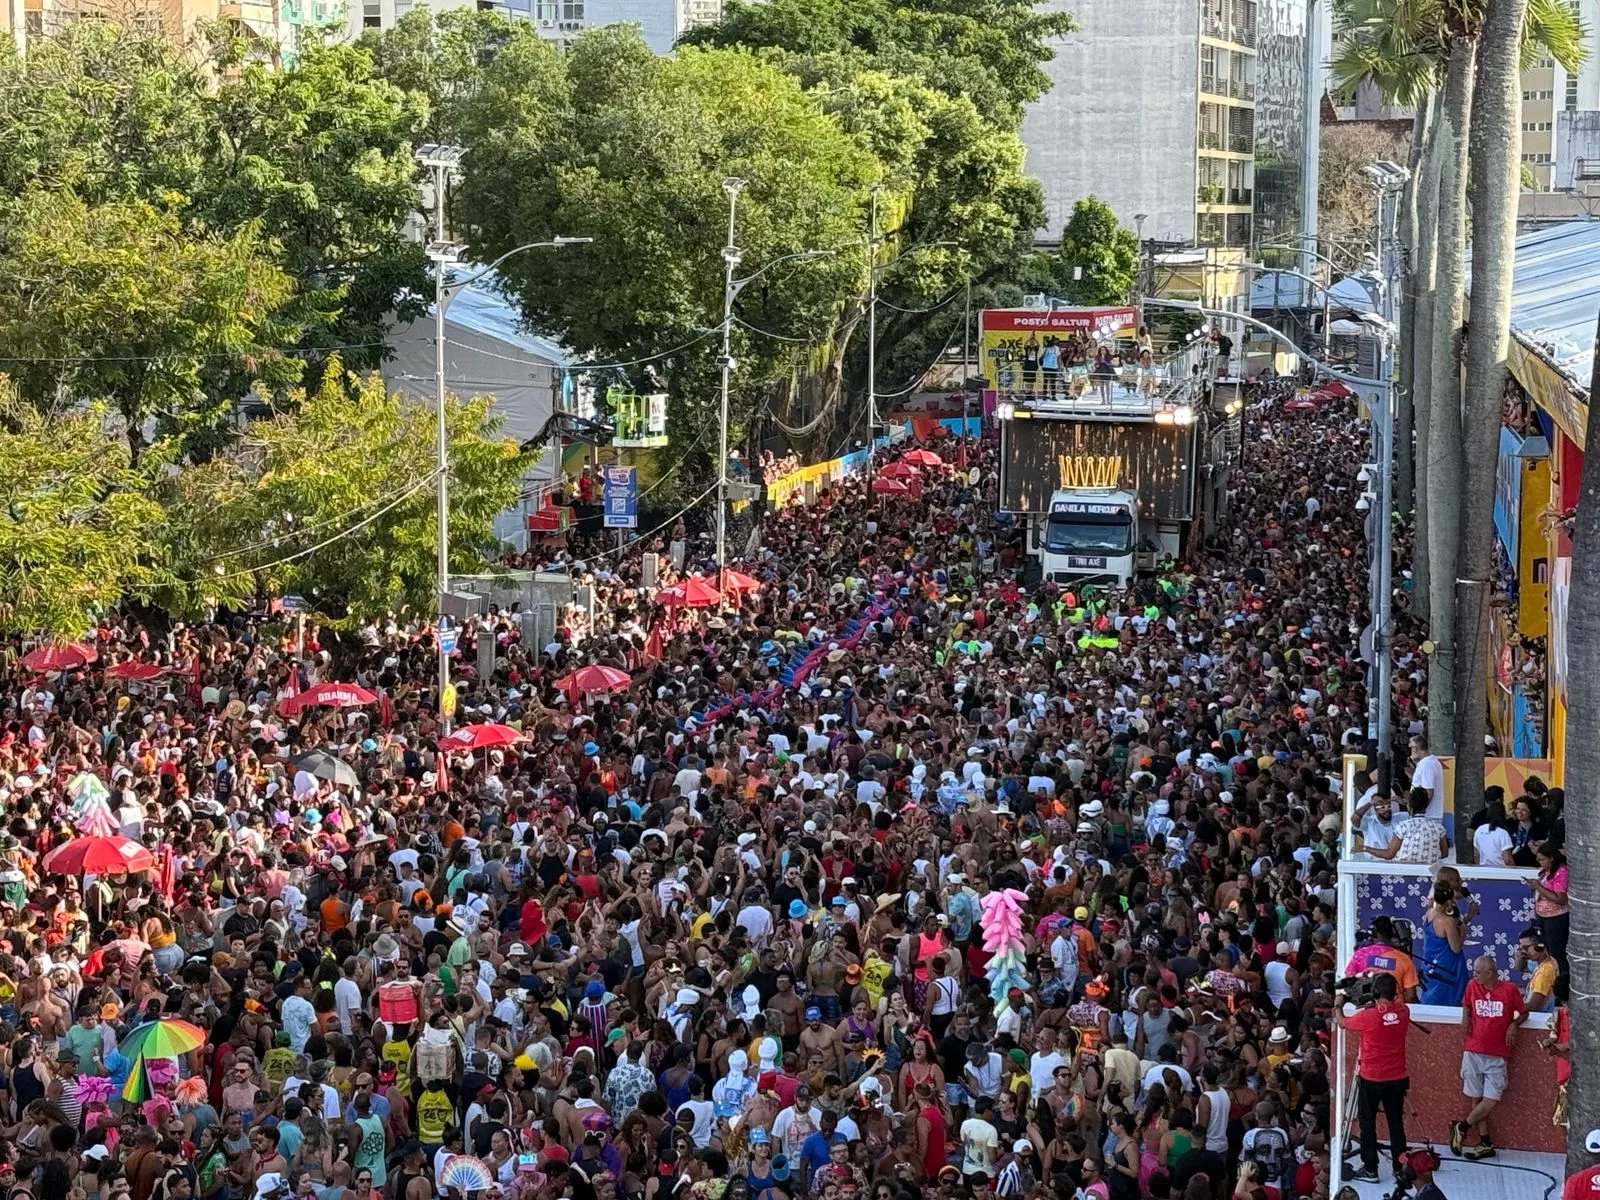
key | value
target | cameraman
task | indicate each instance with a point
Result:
(1381, 1075)
(1381, 954)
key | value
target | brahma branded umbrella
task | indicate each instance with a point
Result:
(329, 695)
(62, 656)
(135, 672)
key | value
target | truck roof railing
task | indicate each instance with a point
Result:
(1133, 393)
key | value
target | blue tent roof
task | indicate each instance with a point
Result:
(1554, 296)
(483, 309)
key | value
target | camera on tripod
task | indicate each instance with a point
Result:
(1360, 990)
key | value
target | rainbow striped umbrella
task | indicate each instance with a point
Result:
(166, 1038)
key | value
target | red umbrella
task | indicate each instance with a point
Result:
(330, 695)
(594, 679)
(899, 470)
(736, 582)
(891, 487)
(63, 656)
(135, 671)
(481, 737)
(696, 592)
(98, 856)
(922, 458)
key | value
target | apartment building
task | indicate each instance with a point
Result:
(1185, 113)
(661, 22)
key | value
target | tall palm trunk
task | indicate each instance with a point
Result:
(1420, 352)
(1444, 399)
(1583, 804)
(1405, 413)
(1496, 149)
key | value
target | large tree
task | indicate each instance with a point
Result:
(75, 516)
(1495, 148)
(333, 498)
(1098, 260)
(291, 186)
(120, 301)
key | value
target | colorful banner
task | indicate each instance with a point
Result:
(1556, 663)
(1508, 492)
(1019, 344)
(1533, 550)
(1549, 390)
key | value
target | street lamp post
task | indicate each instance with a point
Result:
(443, 161)
(1390, 180)
(730, 258)
(731, 287)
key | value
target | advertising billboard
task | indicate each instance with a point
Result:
(1014, 341)
(1037, 457)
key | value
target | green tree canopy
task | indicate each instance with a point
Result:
(990, 51)
(1098, 260)
(333, 498)
(75, 514)
(261, 214)
(118, 301)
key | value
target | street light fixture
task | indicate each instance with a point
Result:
(444, 161)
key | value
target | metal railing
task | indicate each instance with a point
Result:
(1210, 139)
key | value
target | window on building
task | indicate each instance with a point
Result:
(1570, 100)
(572, 10)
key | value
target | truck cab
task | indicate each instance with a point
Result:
(1090, 535)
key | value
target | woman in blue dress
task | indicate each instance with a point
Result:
(1444, 961)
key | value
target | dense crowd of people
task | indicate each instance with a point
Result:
(686, 937)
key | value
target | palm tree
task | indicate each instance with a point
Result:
(1444, 373)
(1513, 32)
(1398, 46)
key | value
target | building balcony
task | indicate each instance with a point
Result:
(1210, 139)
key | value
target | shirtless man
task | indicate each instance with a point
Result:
(817, 1038)
(787, 1004)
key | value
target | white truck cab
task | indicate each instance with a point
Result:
(1090, 533)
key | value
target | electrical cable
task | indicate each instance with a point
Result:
(917, 382)
(935, 307)
(360, 525)
(629, 545)
(767, 333)
(323, 524)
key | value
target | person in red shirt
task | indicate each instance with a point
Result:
(1491, 1010)
(1585, 1184)
(1381, 1075)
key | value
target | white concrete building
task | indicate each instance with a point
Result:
(661, 22)
(1187, 112)
(487, 350)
